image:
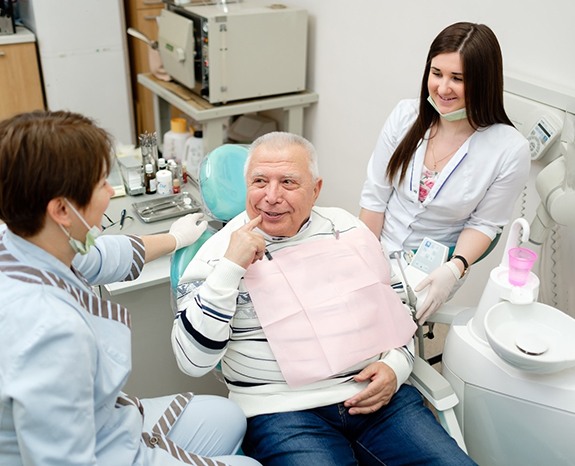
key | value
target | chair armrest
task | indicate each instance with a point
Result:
(446, 313)
(432, 385)
(436, 389)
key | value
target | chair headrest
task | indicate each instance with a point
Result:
(222, 182)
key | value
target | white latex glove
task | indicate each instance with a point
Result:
(187, 230)
(440, 282)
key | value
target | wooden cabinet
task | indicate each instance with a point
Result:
(141, 15)
(21, 88)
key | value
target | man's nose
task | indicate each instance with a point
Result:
(273, 193)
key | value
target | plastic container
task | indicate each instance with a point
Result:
(175, 139)
(132, 174)
(194, 153)
(521, 262)
(164, 182)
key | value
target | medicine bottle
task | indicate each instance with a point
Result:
(164, 179)
(184, 173)
(176, 186)
(150, 179)
(174, 168)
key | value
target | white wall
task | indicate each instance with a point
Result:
(365, 55)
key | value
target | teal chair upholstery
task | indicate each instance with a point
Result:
(223, 194)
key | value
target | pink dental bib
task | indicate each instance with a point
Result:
(326, 305)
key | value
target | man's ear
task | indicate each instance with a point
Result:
(317, 188)
(59, 212)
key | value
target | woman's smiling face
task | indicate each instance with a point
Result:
(445, 82)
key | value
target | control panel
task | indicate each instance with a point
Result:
(428, 257)
(542, 136)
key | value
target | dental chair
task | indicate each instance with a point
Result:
(222, 188)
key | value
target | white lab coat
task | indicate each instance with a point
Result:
(477, 188)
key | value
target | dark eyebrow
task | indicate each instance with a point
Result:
(456, 73)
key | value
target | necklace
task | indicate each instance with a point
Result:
(436, 161)
(460, 136)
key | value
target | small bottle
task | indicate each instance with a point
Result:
(150, 179)
(184, 173)
(176, 188)
(162, 164)
(173, 167)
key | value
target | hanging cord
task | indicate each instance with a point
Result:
(523, 202)
(553, 247)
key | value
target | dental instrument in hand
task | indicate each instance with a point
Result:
(411, 297)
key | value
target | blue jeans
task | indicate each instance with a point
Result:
(404, 432)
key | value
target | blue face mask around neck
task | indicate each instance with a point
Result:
(457, 115)
(78, 246)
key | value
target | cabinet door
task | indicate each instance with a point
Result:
(145, 22)
(20, 89)
(148, 3)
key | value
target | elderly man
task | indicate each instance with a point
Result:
(315, 346)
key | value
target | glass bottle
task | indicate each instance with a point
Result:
(150, 179)
(176, 187)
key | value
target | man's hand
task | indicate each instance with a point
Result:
(378, 392)
(246, 246)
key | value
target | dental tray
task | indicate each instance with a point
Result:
(162, 208)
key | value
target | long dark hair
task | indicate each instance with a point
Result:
(483, 78)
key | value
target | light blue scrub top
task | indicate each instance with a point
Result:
(64, 356)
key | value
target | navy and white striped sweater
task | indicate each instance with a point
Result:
(216, 321)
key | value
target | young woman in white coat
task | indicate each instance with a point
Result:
(449, 165)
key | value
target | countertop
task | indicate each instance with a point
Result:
(22, 36)
(157, 271)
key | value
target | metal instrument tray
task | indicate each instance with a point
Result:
(162, 208)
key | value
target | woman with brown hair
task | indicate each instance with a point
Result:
(64, 352)
(449, 165)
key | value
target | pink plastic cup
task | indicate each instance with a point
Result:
(521, 262)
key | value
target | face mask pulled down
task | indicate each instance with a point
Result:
(77, 245)
(456, 115)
